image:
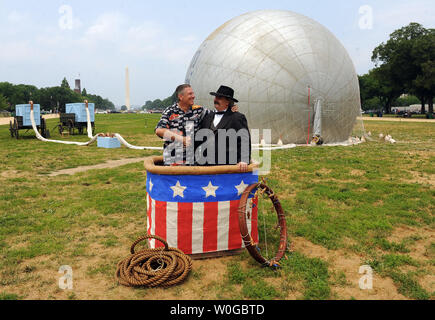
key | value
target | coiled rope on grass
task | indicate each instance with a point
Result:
(160, 267)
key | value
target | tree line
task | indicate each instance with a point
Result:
(404, 71)
(50, 99)
(160, 105)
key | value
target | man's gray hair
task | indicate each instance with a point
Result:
(180, 90)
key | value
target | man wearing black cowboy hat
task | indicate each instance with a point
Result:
(231, 137)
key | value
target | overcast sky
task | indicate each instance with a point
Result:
(40, 45)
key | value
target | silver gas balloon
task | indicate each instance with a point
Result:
(280, 64)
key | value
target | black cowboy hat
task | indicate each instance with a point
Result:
(225, 92)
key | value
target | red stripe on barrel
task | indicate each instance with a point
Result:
(211, 212)
(185, 221)
(150, 208)
(160, 222)
(234, 237)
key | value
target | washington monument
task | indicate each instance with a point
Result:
(127, 89)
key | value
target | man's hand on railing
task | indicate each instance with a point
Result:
(243, 166)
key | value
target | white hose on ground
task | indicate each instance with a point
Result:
(88, 117)
(260, 147)
(92, 138)
(38, 135)
(273, 147)
(125, 143)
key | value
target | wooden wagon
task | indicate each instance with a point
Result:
(76, 118)
(22, 121)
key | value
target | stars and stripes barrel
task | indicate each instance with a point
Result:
(198, 214)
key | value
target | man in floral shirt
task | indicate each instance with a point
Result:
(178, 124)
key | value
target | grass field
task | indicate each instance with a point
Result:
(371, 204)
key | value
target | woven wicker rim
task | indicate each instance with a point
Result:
(154, 165)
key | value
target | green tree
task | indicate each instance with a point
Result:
(368, 88)
(84, 92)
(157, 104)
(65, 84)
(4, 104)
(108, 105)
(49, 98)
(170, 100)
(389, 89)
(124, 108)
(406, 101)
(423, 53)
(147, 105)
(426, 82)
(401, 60)
(62, 96)
(377, 90)
(19, 94)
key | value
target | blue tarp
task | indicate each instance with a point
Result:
(79, 109)
(23, 110)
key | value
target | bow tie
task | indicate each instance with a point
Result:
(221, 112)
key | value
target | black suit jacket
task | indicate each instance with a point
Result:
(235, 144)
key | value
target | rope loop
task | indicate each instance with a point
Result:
(252, 247)
(141, 239)
(160, 267)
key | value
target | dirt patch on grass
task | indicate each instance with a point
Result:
(424, 154)
(9, 174)
(204, 283)
(378, 203)
(403, 232)
(324, 171)
(417, 240)
(106, 165)
(33, 279)
(349, 264)
(357, 173)
(93, 278)
(428, 283)
(422, 178)
(12, 174)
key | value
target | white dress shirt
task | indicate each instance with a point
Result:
(217, 119)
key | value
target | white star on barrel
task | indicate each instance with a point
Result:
(210, 190)
(178, 190)
(241, 188)
(151, 185)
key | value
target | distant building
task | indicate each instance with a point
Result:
(78, 87)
